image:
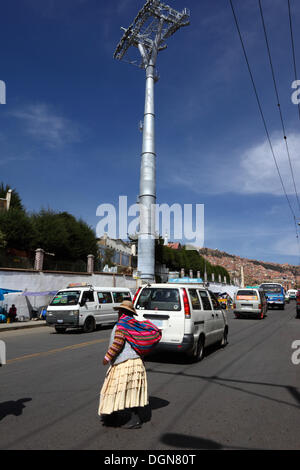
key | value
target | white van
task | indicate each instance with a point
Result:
(292, 293)
(189, 316)
(250, 302)
(85, 306)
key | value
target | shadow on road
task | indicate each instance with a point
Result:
(179, 358)
(79, 331)
(183, 441)
(232, 384)
(13, 407)
(118, 418)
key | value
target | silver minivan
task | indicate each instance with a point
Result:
(85, 307)
(189, 316)
(250, 302)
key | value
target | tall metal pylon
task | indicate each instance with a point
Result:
(148, 33)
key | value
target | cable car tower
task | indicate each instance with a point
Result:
(140, 44)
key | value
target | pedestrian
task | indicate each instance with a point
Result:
(12, 314)
(125, 384)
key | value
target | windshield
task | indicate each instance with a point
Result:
(159, 299)
(274, 288)
(66, 298)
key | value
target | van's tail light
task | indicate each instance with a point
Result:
(259, 307)
(187, 310)
(234, 306)
(136, 294)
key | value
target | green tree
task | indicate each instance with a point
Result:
(65, 236)
(3, 242)
(108, 257)
(17, 229)
(188, 259)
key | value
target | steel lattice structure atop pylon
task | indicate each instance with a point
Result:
(148, 33)
(146, 25)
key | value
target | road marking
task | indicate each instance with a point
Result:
(54, 351)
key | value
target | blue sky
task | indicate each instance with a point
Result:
(69, 136)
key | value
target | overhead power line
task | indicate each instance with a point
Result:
(293, 48)
(260, 107)
(278, 102)
(263, 119)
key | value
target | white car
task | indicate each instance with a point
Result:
(189, 316)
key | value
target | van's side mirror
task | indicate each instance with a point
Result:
(82, 302)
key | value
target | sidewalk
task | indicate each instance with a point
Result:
(22, 325)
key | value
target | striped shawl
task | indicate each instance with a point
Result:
(141, 335)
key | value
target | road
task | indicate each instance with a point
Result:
(246, 396)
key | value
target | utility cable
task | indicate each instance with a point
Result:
(263, 118)
(278, 101)
(293, 48)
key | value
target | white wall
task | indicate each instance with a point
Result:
(40, 282)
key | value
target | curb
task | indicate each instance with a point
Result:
(21, 327)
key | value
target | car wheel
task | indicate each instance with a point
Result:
(199, 355)
(89, 325)
(224, 340)
(60, 329)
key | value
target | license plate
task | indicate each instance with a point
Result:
(60, 321)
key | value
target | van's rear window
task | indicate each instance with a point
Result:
(159, 299)
(246, 292)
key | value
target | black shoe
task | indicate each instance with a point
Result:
(134, 422)
(109, 420)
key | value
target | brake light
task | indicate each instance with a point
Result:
(234, 305)
(136, 294)
(187, 311)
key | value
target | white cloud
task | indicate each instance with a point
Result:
(247, 171)
(257, 169)
(43, 124)
(287, 246)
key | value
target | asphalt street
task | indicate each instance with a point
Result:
(245, 396)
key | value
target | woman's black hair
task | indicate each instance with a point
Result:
(126, 312)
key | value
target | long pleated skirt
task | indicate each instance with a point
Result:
(125, 386)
